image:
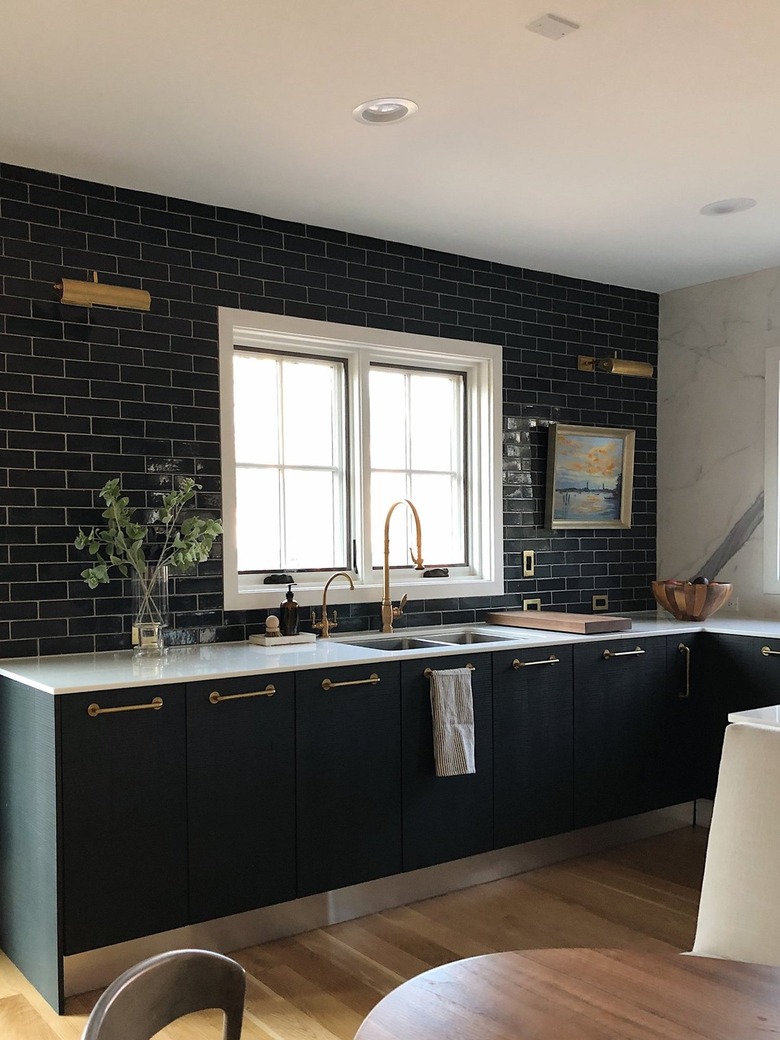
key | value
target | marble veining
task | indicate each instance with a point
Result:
(712, 356)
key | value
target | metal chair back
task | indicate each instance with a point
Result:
(157, 991)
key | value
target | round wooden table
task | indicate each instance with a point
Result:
(582, 994)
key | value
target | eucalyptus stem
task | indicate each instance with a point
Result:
(121, 543)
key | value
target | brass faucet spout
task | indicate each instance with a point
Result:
(389, 612)
(325, 624)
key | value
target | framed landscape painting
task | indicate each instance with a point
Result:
(590, 476)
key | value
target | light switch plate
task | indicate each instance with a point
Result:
(532, 604)
(600, 603)
(529, 563)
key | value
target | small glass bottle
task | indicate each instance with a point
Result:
(288, 615)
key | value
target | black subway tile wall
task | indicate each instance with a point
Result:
(91, 394)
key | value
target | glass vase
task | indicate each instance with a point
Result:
(150, 612)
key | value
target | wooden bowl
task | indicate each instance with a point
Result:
(689, 602)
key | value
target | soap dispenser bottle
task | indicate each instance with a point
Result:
(288, 614)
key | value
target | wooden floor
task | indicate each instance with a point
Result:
(320, 985)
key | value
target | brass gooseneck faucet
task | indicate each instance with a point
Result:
(325, 624)
(389, 612)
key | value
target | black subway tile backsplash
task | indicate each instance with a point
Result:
(89, 394)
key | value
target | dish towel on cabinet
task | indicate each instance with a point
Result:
(452, 709)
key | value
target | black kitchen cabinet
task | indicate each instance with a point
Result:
(240, 794)
(445, 817)
(532, 744)
(680, 776)
(623, 716)
(124, 815)
(348, 740)
(738, 673)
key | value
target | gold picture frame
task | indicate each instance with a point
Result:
(590, 476)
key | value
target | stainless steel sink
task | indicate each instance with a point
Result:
(392, 643)
(472, 637)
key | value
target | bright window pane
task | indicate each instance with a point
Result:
(417, 425)
(434, 435)
(310, 398)
(290, 426)
(314, 539)
(387, 488)
(387, 389)
(439, 498)
(255, 395)
(257, 520)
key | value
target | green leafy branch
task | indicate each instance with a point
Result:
(122, 543)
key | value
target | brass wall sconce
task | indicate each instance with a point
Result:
(615, 366)
(85, 294)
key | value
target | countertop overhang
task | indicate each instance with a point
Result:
(79, 673)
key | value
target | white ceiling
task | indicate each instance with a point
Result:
(588, 156)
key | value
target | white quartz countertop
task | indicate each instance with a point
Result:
(77, 673)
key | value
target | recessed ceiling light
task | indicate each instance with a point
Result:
(723, 206)
(384, 110)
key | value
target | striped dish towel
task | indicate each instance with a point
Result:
(452, 708)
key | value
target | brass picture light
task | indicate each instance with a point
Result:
(615, 366)
(85, 294)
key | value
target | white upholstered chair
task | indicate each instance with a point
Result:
(739, 912)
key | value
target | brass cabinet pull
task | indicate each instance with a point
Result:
(682, 648)
(94, 709)
(552, 659)
(622, 653)
(429, 671)
(372, 680)
(769, 653)
(215, 697)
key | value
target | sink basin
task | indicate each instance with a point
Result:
(472, 637)
(391, 643)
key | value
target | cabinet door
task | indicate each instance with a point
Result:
(445, 817)
(124, 815)
(620, 728)
(348, 739)
(737, 675)
(680, 777)
(532, 743)
(241, 794)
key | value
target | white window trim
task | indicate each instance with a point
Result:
(771, 464)
(483, 363)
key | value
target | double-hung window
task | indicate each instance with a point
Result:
(324, 427)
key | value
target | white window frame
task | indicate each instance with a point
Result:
(772, 474)
(360, 345)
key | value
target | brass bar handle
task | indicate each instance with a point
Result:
(215, 697)
(769, 653)
(683, 648)
(372, 680)
(622, 653)
(552, 659)
(429, 671)
(94, 709)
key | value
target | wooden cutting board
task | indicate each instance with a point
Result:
(557, 621)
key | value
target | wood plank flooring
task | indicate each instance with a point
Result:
(320, 985)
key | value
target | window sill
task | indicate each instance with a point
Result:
(268, 597)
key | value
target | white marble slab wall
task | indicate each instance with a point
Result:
(713, 343)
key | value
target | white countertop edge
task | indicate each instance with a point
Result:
(80, 673)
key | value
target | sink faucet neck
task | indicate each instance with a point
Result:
(325, 624)
(389, 612)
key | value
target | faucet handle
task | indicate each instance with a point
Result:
(416, 560)
(398, 611)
